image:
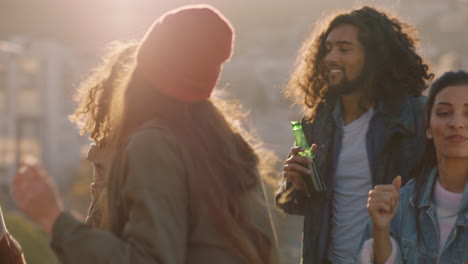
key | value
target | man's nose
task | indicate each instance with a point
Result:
(332, 56)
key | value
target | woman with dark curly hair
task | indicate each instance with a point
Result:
(179, 177)
(427, 222)
(360, 80)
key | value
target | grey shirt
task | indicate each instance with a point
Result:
(353, 181)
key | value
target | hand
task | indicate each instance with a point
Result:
(383, 203)
(296, 166)
(36, 195)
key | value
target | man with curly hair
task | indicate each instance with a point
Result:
(360, 80)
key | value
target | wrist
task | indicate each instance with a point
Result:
(296, 186)
(299, 187)
(380, 229)
(382, 244)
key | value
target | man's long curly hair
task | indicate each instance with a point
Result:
(392, 66)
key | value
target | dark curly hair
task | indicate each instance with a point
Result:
(392, 66)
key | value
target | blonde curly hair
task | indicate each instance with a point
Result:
(95, 94)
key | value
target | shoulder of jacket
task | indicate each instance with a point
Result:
(418, 102)
(152, 125)
(150, 132)
(324, 111)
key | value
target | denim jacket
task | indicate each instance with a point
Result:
(393, 145)
(403, 228)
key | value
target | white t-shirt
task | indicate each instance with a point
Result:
(352, 180)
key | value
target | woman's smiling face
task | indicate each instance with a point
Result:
(448, 126)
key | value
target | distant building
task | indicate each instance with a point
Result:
(36, 90)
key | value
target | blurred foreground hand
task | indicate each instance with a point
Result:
(36, 195)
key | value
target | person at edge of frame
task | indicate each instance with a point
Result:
(10, 250)
(427, 221)
(360, 80)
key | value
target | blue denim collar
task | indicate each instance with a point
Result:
(427, 200)
(426, 191)
(463, 217)
(404, 120)
(337, 114)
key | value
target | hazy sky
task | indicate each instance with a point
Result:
(88, 21)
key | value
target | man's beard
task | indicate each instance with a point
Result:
(347, 86)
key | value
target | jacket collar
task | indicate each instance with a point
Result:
(426, 198)
(463, 218)
(402, 120)
(426, 190)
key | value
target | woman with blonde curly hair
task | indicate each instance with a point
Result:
(93, 116)
(181, 177)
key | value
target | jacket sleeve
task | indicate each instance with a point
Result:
(288, 200)
(365, 254)
(395, 230)
(153, 189)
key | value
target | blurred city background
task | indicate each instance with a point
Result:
(47, 47)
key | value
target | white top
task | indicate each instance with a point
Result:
(448, 205)
(353, 181)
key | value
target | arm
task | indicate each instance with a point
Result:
(382, 206)
(380, 238)
(289, 200)
(366, 256)
(290, 197)
(153, 191)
